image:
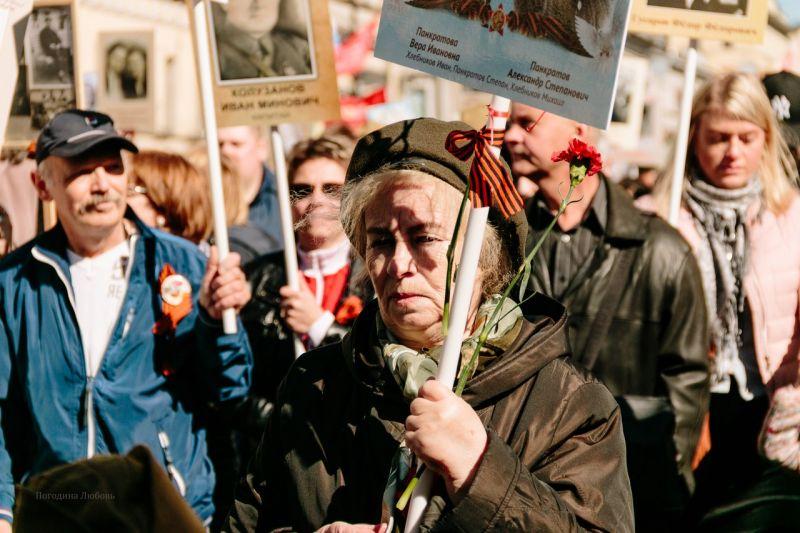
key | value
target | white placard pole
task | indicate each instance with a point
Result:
(679, 164)
(212, 143)
(287, 226)
(462, 296)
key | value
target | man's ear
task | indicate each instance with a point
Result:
(41, 187)
(585, 132)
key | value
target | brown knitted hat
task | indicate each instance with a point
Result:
(419, 144)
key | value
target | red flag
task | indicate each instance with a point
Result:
(354, 108)
(351, 55)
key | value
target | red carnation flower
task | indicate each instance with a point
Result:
(584, 160)
(351, 307)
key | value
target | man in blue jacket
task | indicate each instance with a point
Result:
(110, 332)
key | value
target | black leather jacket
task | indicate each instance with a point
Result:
(654, 354)
(270, 338)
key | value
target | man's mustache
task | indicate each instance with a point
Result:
(97, 199)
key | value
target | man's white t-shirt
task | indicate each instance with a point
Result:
(99, 285)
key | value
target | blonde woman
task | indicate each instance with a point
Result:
(741, 215)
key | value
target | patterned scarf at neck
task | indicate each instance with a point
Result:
(720, 218)
(412, 368)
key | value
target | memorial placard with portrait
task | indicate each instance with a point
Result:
(725, 20)
(272, 61)
(46, 69)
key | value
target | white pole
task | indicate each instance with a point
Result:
(287, 227)
(462, 295)
(212, 143)
(679, 164)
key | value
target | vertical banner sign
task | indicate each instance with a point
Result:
(272, 62)
(724, 20)
(46, 64)
(561, 56)
(125, 88)
(13, 20)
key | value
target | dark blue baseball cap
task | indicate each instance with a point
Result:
(75, 132)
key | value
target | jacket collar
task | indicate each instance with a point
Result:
(53, 243)
(326, 261)
(625, 221)
(542, 338)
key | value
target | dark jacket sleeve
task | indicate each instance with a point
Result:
(247, 512)
(683, 358)
(581, 483)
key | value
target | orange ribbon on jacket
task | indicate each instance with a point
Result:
(175, 306)
(489, 181)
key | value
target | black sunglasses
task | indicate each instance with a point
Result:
(300, 191)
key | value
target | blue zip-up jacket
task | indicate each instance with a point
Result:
(52, 412)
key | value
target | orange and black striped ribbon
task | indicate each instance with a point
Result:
(489, 181)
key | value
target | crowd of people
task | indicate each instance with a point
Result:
(649, 380)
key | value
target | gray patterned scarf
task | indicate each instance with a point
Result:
(720, 217)
(412, 368)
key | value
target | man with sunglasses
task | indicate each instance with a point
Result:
(320, 312)
(110, 331)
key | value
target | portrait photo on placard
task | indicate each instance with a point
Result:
(45, 84)
(48, 48)
(125, 63)
(125, 83)
(46, 103)
(262, 41)
(726, 7)
(586, 27)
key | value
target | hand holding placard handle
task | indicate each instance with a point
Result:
(212, 144)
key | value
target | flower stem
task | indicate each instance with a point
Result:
(466, 371)
(403, 500)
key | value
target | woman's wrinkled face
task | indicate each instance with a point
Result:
(409, 225)
(728, 150)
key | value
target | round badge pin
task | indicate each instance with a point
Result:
(174, 288)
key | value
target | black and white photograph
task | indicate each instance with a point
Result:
(42, 88)
(46, 103)
(627, 112)
(620, 112)
(725, 7)
(125, 67)
(48, 48)
(126, 84)
(262, 41)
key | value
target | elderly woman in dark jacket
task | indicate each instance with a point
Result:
(534, 445)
